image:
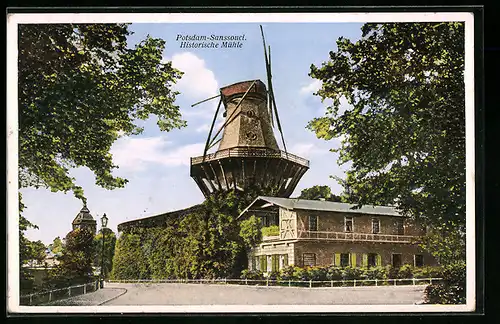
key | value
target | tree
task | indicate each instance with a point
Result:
(80, 86)
(56, 246)
(319, 192)
(109, 250)
(405, 130)
(76, 261)
(207, 243)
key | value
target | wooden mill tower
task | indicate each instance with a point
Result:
(248, 156)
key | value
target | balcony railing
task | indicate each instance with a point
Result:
(249, 152)
(271, 238)
(353, 237)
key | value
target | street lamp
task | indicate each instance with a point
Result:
(104, 223)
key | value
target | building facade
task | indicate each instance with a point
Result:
(318, 233)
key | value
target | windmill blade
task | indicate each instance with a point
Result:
(278, 121)
(199, 102)
(212, 128)
(270, 90)
(268, 72)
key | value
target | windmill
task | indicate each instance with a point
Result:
(248, 154)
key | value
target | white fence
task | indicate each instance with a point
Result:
(45, 297)
(292, 283)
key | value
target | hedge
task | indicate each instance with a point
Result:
(327, 273)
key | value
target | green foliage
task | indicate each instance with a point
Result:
(446, 242)
(376, 273)
(318, 273)
(405, 272)
(452, 290)
(56, 246)
(104, 252)
(208, 243)
(76, 261)
(27, 251)
(404, 133)
(350, 273)
(252, 274)
(80, 85)
(317, 192)
(333, 273)
(287, 273)
(272, 230)
(129, 260)
(250, 231)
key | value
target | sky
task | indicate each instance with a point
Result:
(157, 163)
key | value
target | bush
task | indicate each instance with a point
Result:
(452, 289)
(427, 272)
(287, 273)
(317, 273)
(273, 275)
(334, 273)
(375, 273)
(252, 274)
(405, 272)
(300, 274)
(350, 273)
(391, 272)
(273, 230)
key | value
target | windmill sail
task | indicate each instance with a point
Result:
(272, 101)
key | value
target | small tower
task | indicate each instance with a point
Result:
(85, 221)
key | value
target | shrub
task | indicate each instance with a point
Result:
(428, 272)
(350, 273)
(373, 273)
(317, 273)
(273, 275)
(452, 289)
(334, 273)
(287, 273)
(405, 272)
(273, 230)
(391, 272)
(252, 274)
(300, 274)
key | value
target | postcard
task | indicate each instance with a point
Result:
(250, 162)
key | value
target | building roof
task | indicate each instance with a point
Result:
(84, 216)
(319, 205)
(157, 220)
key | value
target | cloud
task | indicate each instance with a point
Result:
(311, 88)
(306, 149)
(135, 153)
(203, 128)
(197, 82)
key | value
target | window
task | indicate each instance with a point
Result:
(313, 223)
(372, 260)
(396, 260)
(400, 228)
(418, 260)
(283, 261)
(345, 259)
(375, 225)
(348, 224)
(309, 259)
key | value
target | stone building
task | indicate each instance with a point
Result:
(84, 220)
(317, 233)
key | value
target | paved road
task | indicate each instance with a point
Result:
(91, 299)
(206, 294)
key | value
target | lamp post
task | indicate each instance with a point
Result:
(104, 223)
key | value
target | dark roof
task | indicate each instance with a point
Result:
(157, 220)
(84, 216)
(318, 205)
